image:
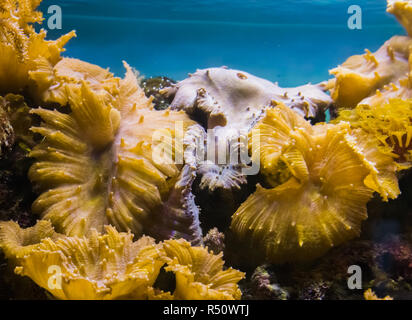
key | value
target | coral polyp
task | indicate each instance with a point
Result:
(321, 202)
(95, 165)
(54, 82)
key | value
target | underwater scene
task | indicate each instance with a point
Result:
(205, 150)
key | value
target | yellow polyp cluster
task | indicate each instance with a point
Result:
(333, 173)
(112, 266)
(22, 50)
(95, 165)
(390, 123)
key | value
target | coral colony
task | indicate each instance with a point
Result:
(117, 182)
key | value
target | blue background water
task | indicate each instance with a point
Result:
(292, 42)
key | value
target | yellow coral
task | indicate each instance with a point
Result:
(322, 201)
(95, 165)
(390, 123)
(361, 75)
(112, 266)
(402, 10)
(370, 295)
(102, 267)
(387, 70)
(24, 51)
(199, 274)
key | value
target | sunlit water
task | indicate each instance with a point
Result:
(291, 42)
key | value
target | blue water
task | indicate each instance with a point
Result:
(291, 42)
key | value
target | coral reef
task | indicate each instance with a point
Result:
(57, 81)
(375, 78)
(229, 97)
(121, 168)
(361, 75)
(106, 266)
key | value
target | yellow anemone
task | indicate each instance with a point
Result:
(321, 201)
